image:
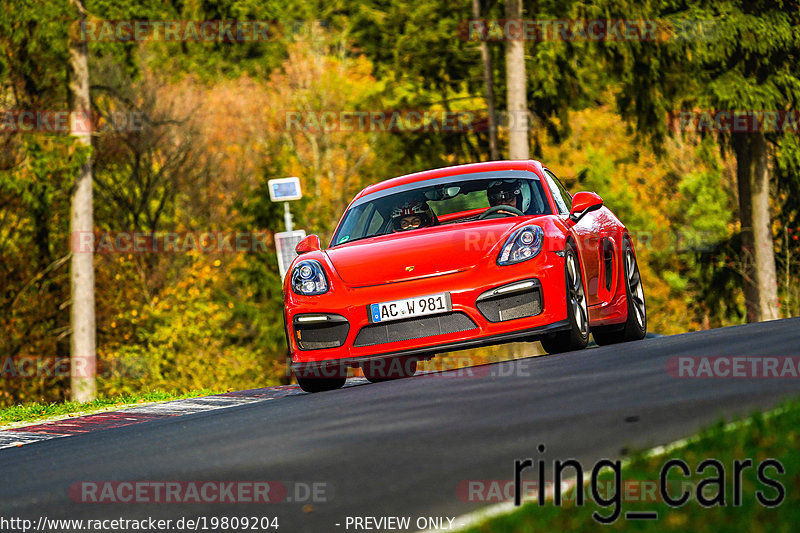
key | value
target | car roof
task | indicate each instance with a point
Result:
(488, 166)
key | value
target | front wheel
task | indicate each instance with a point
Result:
(320, 384)
(635, 326)
(321, 379)
(577, 336)
(389, 369)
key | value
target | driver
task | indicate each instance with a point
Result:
(505, 192)
(412, 214)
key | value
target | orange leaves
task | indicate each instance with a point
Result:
(643, 191)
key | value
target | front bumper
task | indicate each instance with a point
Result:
(334, 328)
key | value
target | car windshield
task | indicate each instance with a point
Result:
(439, 201)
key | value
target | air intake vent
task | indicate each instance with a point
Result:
(319, 331)
(608, 263)
(516, 300)
(414, 328)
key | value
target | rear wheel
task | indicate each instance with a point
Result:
(635, 326)
(389, 369)
(577, 336)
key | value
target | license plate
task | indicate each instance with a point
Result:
(411, 307)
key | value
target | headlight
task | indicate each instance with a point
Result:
(308, 278)
(523, 244)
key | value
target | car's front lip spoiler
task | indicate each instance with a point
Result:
(438, 348)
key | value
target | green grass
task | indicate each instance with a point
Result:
(762, 436)
(31, 412)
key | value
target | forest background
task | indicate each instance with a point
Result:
(187, 134)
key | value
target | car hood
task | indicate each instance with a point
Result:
(419, 253)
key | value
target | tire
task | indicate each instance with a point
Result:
(577, 337)
(321, 379)
(389, 369)
(635, 326)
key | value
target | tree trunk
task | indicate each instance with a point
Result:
(515, 80)
(758, 256)
(488, 82)
(82, 357)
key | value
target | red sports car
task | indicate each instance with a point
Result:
(456, 258)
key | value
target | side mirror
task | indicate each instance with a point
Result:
(309, 244)
(582, 203)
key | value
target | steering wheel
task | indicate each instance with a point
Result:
(510, 210)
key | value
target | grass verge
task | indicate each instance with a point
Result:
(34, 412)
(774, 435)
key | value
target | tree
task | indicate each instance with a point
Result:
(83, 355)
(488, 82)
(517, 88)
(730, 55)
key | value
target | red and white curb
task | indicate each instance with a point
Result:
(68, 427)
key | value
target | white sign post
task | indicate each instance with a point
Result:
(286, 190)
(285, 243)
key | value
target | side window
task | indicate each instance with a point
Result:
(539, 204)
(561, 197)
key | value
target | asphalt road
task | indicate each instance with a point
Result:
(402, 448)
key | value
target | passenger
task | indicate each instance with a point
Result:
(412, 214)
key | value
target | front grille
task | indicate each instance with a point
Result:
(413, 328)
(508, 306)
(320, 335)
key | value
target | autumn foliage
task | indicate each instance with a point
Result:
(215, 130)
